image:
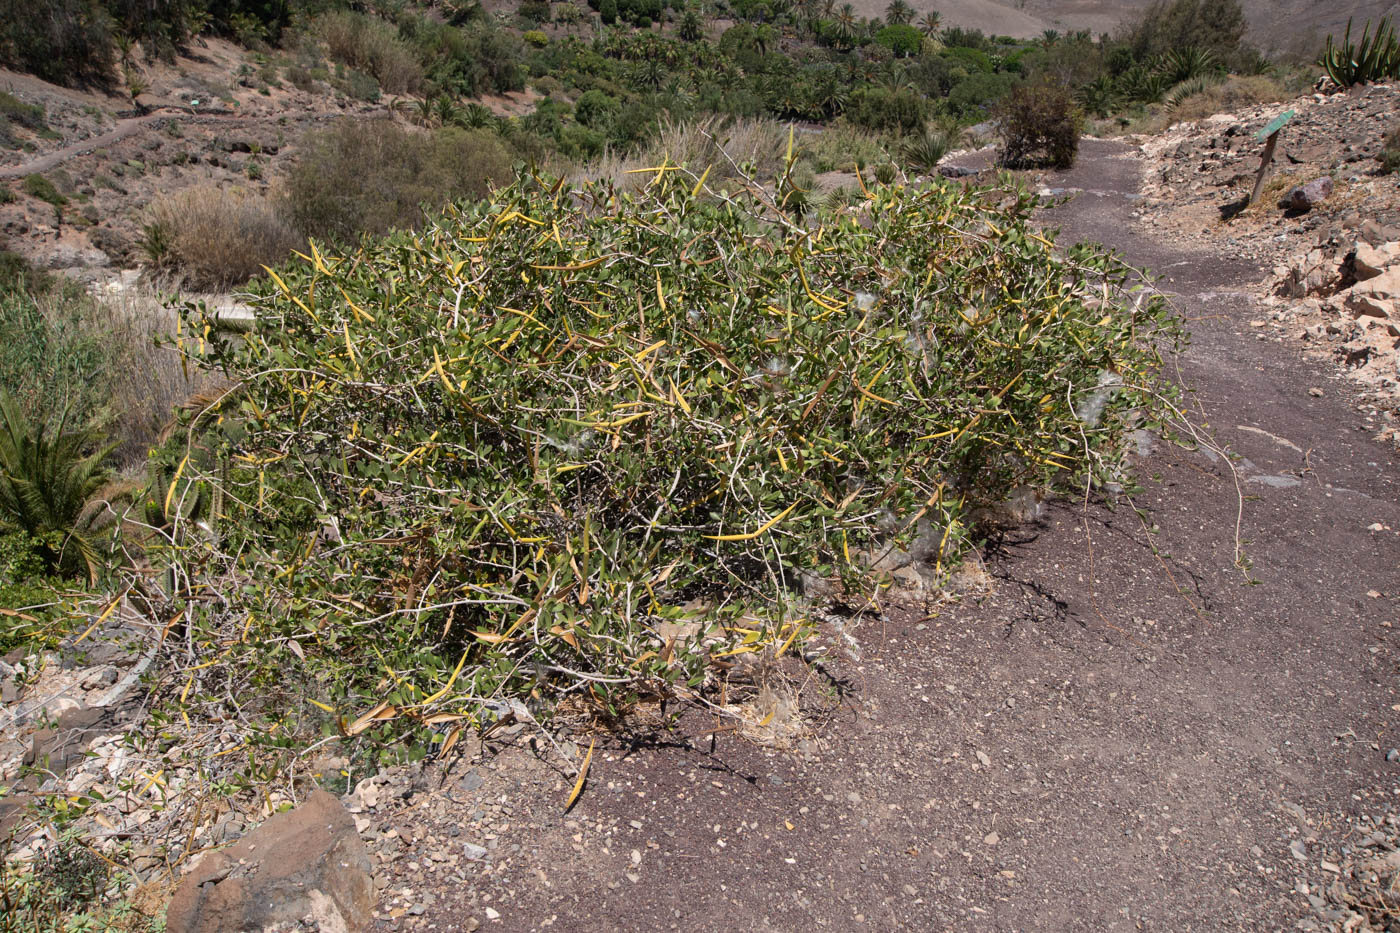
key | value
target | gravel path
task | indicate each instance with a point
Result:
(1127, 734)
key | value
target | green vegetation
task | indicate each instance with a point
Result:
(63, 891)
(30, 606)
(328, 197)
(50, 475)
(40, 187)
(15, 112)
(1372, 58)
(1390, 151)
(577, 442)
(60, 348)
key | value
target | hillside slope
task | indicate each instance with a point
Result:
(993, 18)
(1274, 24)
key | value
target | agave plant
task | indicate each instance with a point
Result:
(1375, 56)
(49, 478)
(1098, 96)
(1143, 84)
(1187, 63)
(923, 151)
(1190, 88)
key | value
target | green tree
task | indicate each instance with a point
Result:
(931, 23)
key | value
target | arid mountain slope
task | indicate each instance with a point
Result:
(1274, 24)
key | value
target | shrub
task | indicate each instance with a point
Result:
(901, 39)
(1390, 151)
(1039, 125)
(327, 191)
(1168, 25)
(215, 238)
(535, 38)
(534, 11)
(879, 108)
(29, 116)
(66, 42)
(40, 187)
(581, 463)
(596, 109)
(366, 43)
(974, 96)
(27, 593)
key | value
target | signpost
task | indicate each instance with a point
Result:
(1270, 136)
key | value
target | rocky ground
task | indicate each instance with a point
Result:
(1332, 279)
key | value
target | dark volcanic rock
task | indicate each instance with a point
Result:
(308, 863)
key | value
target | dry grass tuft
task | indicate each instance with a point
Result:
(213, 238)
(758, 146)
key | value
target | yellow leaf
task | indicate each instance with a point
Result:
(754, 534)
(701, 183)
(680, 399)
(452, 738)
(582, 776)
(381, 712)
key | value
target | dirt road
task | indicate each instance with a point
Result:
(1127, 734)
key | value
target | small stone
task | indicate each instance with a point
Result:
(492, 914)
(1298, 850)
(474, 852)
(991, 839)
(984, 759)
(471, 781)
(1315, 392)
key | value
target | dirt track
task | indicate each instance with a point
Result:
(1109, 742)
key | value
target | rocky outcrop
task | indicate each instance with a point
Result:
(303, 869)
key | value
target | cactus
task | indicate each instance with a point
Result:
(1375, 56)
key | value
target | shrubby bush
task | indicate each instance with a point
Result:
(368, 44)
(1390, 151)
(1039, 124)
(576, 443)
(373, 177)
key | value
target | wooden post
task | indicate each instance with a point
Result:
(1269, 145)
(1270, 136)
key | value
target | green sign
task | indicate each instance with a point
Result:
(1274, 126)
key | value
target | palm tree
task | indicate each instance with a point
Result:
(899, 13)
(48, 481)
(691, 28)
(931, 23)
(846, 23)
